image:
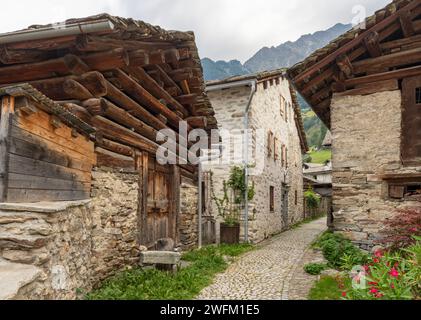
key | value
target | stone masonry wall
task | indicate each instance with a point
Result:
(230, 106)
(188, 227)
(366, 144)
(265, 114)
(77, 245)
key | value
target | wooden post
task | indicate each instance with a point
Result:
(176, 184)
(142, 164)
(7, 110)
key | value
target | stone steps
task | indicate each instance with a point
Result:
(10, 240)
(14, 276)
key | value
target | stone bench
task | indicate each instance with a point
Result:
(160, 258)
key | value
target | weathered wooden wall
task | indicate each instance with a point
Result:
(45, 159)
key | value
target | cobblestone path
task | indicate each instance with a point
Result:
(267, 272)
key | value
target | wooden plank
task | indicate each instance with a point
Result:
(20, 181)
(31, 195)
(115, 147)
(43, 152)
(23, 135)
(6, 116)
(40, 125)
(143, 164)
(27, 166)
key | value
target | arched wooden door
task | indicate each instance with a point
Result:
(159, 209)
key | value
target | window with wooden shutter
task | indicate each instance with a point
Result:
(276, 149)
(396, 192)
(283, 155)
(270, 144)
(411, 121)
(282, 107)
(286, 111)
(272, 199)
(286, 157)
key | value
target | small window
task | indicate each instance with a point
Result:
(265, 85)
(296, 198)
(272, 199)
(403, 191)
(270, 144)
(282, 106)
(418, 95)
(286, 111)
(271, 82)
(277, 81)
(275, 148)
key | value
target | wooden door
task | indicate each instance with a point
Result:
(159, 216)
(411, 121)
(285, 206)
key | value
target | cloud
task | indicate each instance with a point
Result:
(225, 29)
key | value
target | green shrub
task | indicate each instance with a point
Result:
(340, 252)
(315, 268)
(312, 199)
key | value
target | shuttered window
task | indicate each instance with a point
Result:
(411, 121)
(272, 199)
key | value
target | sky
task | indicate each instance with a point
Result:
(224, 29)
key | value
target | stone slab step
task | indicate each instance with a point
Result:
(15, 276)
(10, 240)
(160, 257)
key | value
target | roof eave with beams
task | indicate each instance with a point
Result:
(331, 69)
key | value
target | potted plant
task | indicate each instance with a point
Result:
(231, 204)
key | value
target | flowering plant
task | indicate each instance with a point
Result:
(388, 276)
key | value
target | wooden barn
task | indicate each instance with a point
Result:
(82, 103)
(366, 87)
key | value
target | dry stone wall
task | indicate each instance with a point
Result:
(366, 145)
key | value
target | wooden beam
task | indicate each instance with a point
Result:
(372, 44)
(406, 23)
(345, 65)
(370, 88)
(68, 64)
(75, 90)
(187, 99)
(115, 147)
(167, 79)
(9, 56)
(126, 119)
(138, 58)
(139, 93)
(150, 84)
(197, 122)
(103, 61)
(94, 82)
(388, 61)
(133, 107)
(396, 74)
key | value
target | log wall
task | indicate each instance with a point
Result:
(45, 160)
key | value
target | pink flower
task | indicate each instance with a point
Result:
(392, 286)
(375, 260)
(374, 291)
(394, 273)
(378, 254)
(366, 268)
(373, 283)
(344, 294)
(413, 230)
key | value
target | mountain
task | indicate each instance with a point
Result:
(289, 53)
(215, 70)
(284, 55)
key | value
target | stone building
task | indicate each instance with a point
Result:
(81, 188)
(276, 143)
(366, 87)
